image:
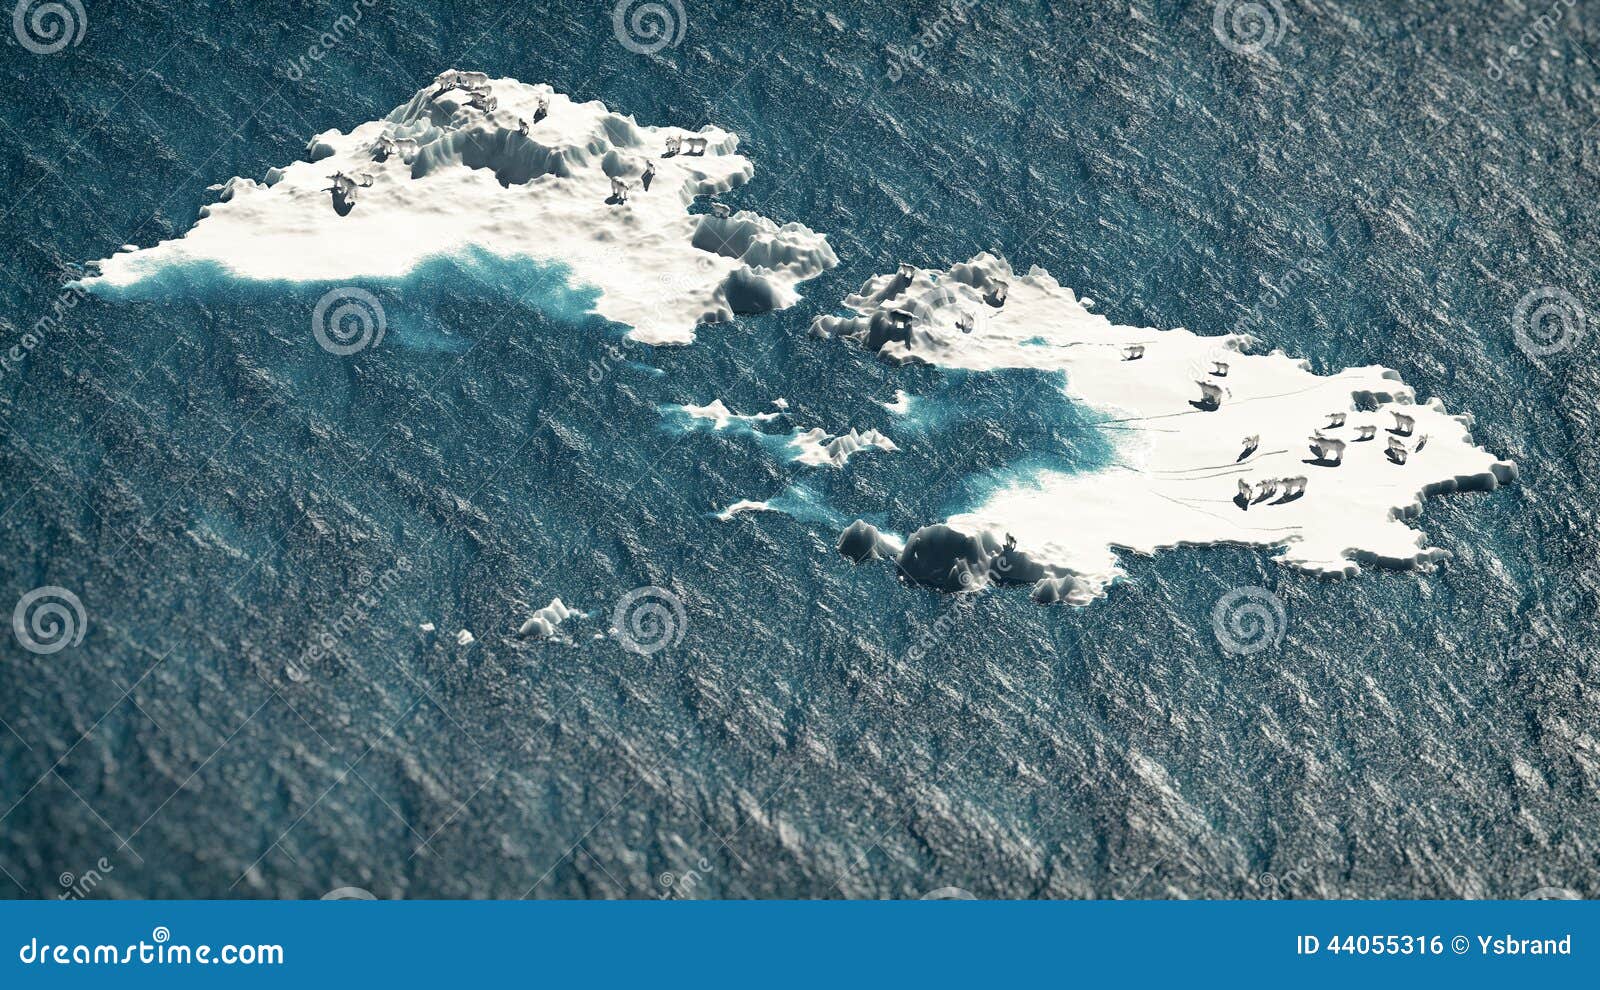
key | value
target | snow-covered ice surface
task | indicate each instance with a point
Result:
(442, 174)
(1212, 440)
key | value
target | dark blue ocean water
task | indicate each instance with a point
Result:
(220, 492)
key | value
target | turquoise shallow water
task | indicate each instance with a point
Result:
(222, 494)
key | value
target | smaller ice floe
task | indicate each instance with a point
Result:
(542, 624)
(818, 447)
(465, 638)
(426, 627)
(815, 447)
(743, 505)
(901, 404)
(721, 417)
(797, 502)
(780, 403)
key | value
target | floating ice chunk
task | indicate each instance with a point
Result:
(465, 638)
(806, 446)
(1067, 589)
(542, 624)
(817, 447)
(426, 627)
(721, 417)
(862, 541)
(901, 404)
(743, 505)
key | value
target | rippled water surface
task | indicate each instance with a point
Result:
(1378, 185)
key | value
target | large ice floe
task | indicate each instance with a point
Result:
(1215, 445)
(514, 170)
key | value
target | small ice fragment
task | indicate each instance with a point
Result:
(542, 624)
